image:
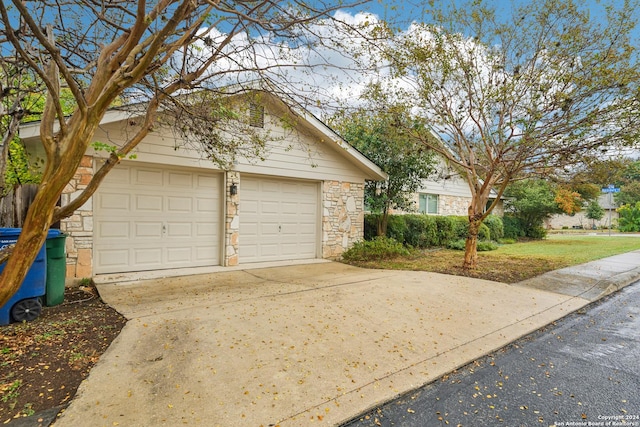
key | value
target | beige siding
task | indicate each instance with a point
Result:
(288, 153)
(446, 182)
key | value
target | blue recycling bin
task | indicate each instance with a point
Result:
(26, 304)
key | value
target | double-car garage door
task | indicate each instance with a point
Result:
(149, 217)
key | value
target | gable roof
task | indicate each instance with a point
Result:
(303, 118)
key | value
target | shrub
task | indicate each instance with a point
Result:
(422, 231)
(537, 233)
(460, 226)
(462, 229)
(487, 246)
(459, 245)
(371, 226)
(484, 233)
(397, 227)
(376, 249)
(629, 220)
(446, 227)
(496, 227)
(512, 227)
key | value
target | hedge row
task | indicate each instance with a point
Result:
(423, 231)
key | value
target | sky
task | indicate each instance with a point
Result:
(403, 13)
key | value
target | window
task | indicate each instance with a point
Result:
(428, 204)
(256, 115)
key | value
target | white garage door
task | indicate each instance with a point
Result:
(150, 217)
(278, 219)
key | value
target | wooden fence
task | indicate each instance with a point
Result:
(14, 206)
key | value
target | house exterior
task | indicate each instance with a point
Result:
(580, 220)
(171, 208)
(446, 193)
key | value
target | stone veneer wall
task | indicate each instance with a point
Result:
(232, 220)
(453, 205)
(342, 217)
(79, 226)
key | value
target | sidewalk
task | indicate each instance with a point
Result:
(310, 344)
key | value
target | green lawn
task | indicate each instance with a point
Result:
(515, 262)
(572, 249)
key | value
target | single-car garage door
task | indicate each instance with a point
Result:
(278, 219)
(148, 217)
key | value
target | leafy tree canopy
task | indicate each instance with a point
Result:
(517, 94)
(382, 137)
(532, 201)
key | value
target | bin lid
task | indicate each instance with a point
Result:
(13, 232)
(54, 233)
(10, 232)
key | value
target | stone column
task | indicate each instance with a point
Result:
(342, 217)
(232, 218)
(79, 226)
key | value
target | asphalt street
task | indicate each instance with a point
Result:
(583, 370)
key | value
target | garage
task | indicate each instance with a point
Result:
(278, 219)
(150, 217)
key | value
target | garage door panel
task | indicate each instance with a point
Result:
(293, 249)
(114, 229)
(119, 175)
(147, 229)
(269, 229)
(292, 189)
(178, 230)
(146, 177)
(205, 181)
(168, 218)
(269, 207)
(113, 201)
(278, 219)
(269, 186)
(290, 208)
(179, 254)
(206, 205)
(206, 229)
(182, 205)
(203, 253)
(176, 179)
(146, 256)
(147, 203)
(115, 259)
(307, 208)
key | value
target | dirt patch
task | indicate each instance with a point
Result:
(43, 362)
(505, 269)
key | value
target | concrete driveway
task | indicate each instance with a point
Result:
(301, 345)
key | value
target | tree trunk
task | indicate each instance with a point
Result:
(36, 225)
(31, 239)
(382, 223)
(471, 245)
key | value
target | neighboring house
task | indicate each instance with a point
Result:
(580, 219)
(170, 208)
(446, 193)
